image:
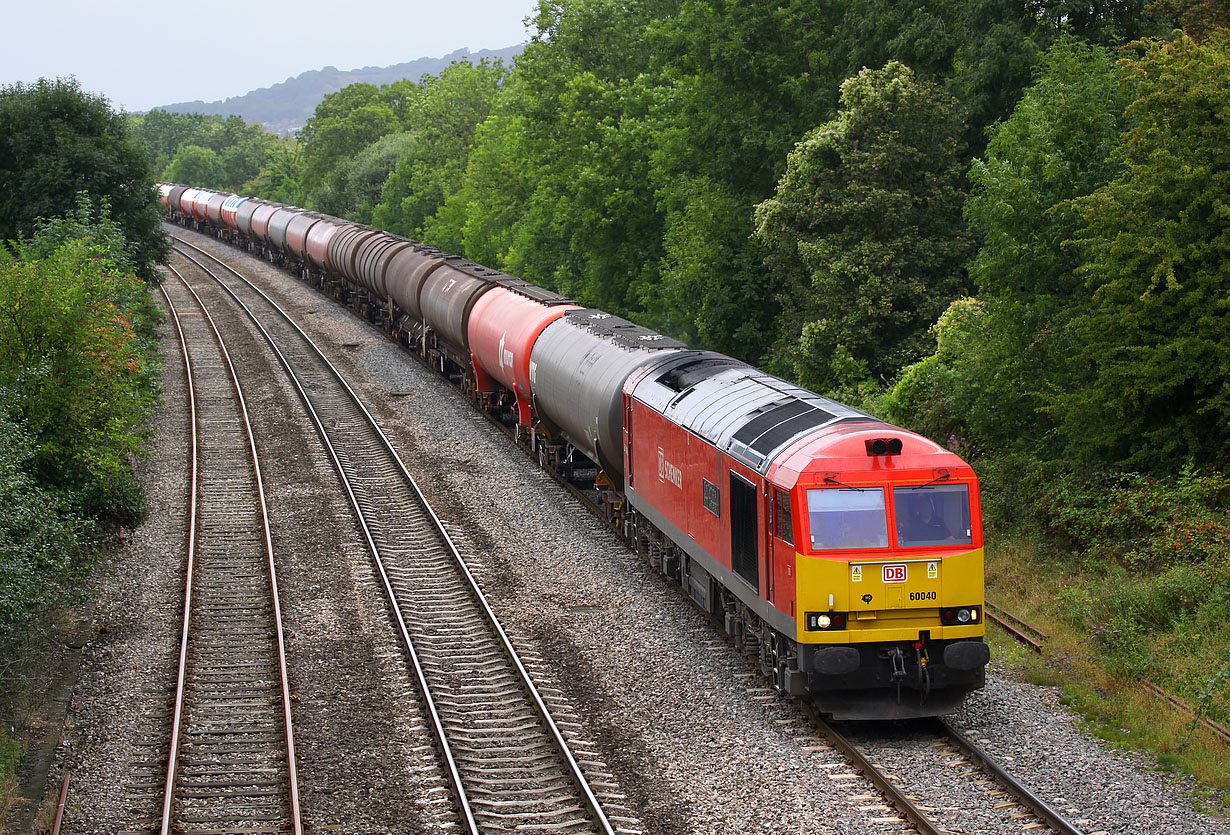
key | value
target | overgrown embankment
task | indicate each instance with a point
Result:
(78, 384)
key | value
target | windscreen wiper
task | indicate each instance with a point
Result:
(933, 481)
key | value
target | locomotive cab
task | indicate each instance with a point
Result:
(888, 557)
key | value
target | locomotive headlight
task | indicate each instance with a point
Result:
(820, 621)
(961, 615)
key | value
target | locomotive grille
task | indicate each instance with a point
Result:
(781, 422)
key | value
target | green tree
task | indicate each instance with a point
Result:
(78, 357)
(737, 84)
(575, 120)
(1197, 18)
(355, 187)
(982, 51)
(443, 123)
(281, 176)
(479, 218)
(56, 141)
(866, 231)
(344, 124)
(1155, 355)
(165, 133)
(1000, 363)
(197, 166)
(241, 149)
(713, 289)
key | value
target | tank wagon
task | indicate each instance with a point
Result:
(843, 552)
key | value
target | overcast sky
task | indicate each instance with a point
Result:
(141, 53)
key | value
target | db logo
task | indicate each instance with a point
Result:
(895, 573)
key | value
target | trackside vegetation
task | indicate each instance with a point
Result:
(78, 385)
(79, 368)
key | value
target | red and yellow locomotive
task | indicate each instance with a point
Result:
(845, 551)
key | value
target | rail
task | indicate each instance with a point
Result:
(193, 566)
(358, 421)
(1035, 639)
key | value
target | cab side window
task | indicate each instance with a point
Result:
(784, 525)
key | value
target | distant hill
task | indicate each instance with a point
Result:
(285, 107)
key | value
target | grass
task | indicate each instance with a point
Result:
(1104, 642)
(11, 752)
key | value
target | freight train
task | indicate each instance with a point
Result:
(846, 554)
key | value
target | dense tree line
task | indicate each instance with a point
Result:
(211, 151)
(989, 220)
(57, 141)
(999, 223)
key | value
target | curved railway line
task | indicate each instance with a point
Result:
(1013, 796)
(231, 761)
(509, 763)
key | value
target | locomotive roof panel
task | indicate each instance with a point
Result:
(842, 448)
(742, 410)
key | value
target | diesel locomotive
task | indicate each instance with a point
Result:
(845, 553)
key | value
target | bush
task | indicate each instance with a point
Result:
(1139, 521)
(40, 542)
(78, 359)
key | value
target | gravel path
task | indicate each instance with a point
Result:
(696, 741)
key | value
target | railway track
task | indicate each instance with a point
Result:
(231, 762)
(950, 759)
(1003, 797)
(1035, 639)
(1024, 632)
(509, 763)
